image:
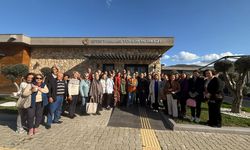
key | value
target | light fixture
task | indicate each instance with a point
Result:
(12, 38)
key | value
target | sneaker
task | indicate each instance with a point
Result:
(98, 113)
(31, 132)
(48, 126)
(35, 131)
(197, 120)
(108, 108)
(192, 119)
(20, 131)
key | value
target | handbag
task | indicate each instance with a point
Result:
(175, 96)
(91, 107)
(191, 102)
(23, 102)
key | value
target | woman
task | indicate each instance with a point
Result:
(132, 84)
(196, 89)
(39, 99)
(96, 92)
(163, 95)
(154, 92)
(109, 89)
(73, 89)
(22, 116)
(84, 91)
(117, 88)
(171, 88)
(104, 87)
(124, 89)
(183, 94)
(214, 94)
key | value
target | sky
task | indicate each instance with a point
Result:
(204, 30)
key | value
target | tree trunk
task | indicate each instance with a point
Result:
(16, 85)
(237, 102)
(236, 105)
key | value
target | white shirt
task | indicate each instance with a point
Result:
(109, 86)
(104, 84)
(74, 87)
(22, 87)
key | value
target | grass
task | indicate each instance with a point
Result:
(227, 120)
(9, 110)
(7, 99)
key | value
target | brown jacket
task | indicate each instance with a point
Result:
(96, 91)
(175, 87)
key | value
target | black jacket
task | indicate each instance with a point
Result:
(142, 85)
(53, 90)
(196, 86)
(51, 83)
(215, 88)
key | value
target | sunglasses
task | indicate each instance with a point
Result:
(39, 78)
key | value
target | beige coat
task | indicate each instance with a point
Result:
(152, 90)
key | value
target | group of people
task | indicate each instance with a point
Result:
(58, 92)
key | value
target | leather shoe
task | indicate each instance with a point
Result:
(57, 122)
(48, 126)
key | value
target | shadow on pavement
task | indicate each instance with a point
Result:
(8, 120)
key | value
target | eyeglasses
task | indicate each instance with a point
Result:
(39, 78)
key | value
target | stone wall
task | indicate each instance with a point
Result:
(69, 59)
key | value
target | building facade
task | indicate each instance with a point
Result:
(140, 54)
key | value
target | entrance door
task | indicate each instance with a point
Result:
(108, 67)
(136, 68)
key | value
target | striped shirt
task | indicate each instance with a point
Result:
(60, 88)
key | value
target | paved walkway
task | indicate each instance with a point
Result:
(93, 132)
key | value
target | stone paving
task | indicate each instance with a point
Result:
(92, 132)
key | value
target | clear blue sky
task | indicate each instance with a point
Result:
(203, 29)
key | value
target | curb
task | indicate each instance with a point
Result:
(202, 128)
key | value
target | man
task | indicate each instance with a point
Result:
(49, 81)
(142, 89)
(65, 104)
(57, 95)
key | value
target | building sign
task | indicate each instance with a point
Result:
(125, 41)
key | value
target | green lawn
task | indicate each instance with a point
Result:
(7, 99)
(226, 119)
(7, 109)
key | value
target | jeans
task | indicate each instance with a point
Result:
(85, 100)
(21, 118)
(72, 105)
(172, 105)
(54, 110)
(131, 98)
(35, 113)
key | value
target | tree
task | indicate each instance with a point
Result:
(46, 71)
(13, 72)
(234, 74)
